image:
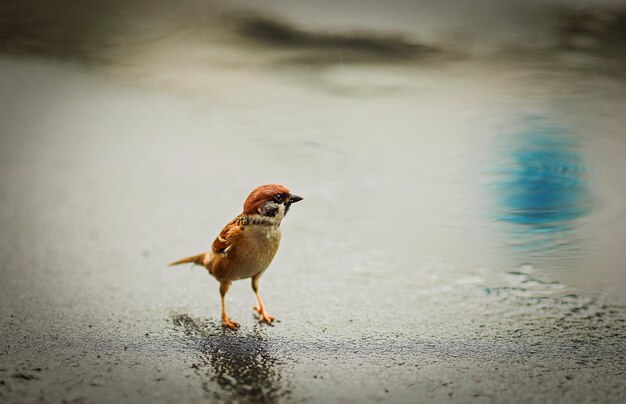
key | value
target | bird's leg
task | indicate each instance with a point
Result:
(263, 316)
(227, 322)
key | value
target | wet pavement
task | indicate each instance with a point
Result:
(460, 237)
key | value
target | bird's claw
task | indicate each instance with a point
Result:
(263, 316)
(227, 322)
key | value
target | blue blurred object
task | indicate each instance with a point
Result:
(542, 187)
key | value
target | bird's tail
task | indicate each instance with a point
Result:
(196, 259)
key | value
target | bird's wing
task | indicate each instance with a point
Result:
(228, 237)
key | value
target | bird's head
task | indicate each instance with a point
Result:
(270, 200)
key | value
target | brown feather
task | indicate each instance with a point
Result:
(196, 259)
(228, 236)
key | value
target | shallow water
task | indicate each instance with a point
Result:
(461, 233)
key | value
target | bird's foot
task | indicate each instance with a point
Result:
(227, 322)
(263, 316)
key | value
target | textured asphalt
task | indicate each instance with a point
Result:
(100, 191)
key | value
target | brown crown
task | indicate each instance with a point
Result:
(260, 195)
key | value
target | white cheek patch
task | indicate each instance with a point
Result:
(261, 219)
(281, 210)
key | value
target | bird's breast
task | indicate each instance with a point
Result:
(255, 253)
(264, 242)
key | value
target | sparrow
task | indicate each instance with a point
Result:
(246, 246)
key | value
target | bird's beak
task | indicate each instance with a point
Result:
(294, 199)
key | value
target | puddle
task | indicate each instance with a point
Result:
(239, 363)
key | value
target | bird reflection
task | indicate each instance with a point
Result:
(239, 365)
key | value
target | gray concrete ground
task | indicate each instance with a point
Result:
(100, 191)
(131, 133)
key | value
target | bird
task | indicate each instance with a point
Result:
(247, 244)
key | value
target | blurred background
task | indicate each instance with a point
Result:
(462, 167)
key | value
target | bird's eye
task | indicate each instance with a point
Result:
(278, 198)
